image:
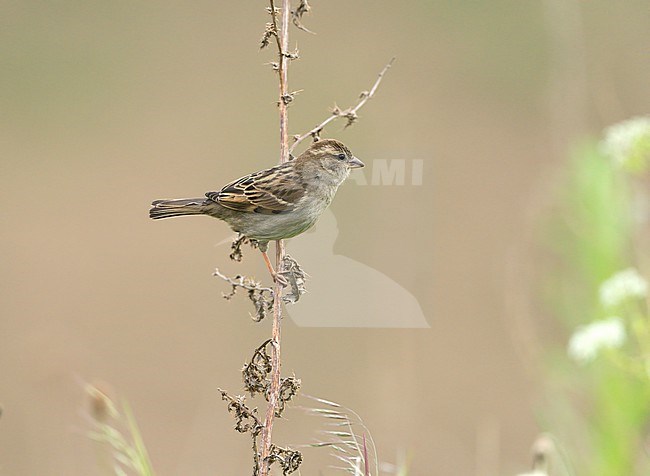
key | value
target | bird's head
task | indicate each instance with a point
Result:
(332, 155)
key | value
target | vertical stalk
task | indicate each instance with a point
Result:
(274, 390)
(283, 37)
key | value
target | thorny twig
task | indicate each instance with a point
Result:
(261, 297)
(263, 373)
(350, 114)
(274, 398)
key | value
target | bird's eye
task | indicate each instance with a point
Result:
(341, 156)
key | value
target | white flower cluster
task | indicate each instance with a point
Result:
(623, 138)
(587, 341)
(624, 285)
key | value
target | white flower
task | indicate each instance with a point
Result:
(622, 142)
(624, 285)
(587, 341)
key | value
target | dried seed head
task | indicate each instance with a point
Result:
(288, 389)
(101, 406)
(235, 248)
(296, 278)
(246, 420)
(303, 7)
(256, 372)
(269, 32)
(290, 460)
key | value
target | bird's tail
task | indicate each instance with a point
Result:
(176, 208)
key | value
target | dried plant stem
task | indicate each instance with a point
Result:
(350, 114)
(282, 37)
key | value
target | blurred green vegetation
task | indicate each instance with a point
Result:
(599, 407)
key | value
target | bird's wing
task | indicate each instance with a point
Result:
(272, 191)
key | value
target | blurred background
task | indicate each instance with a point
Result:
(109, 105)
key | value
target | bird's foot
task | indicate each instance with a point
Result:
(280, 279)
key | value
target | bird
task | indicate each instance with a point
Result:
(275, 203)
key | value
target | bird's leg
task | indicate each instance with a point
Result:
(276, 277)
(268, 264)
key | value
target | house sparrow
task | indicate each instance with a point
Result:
(276, 203)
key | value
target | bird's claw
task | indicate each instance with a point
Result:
(280, 279)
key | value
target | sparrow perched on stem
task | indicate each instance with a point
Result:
(276, 203)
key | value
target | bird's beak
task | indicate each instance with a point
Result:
(355, 163)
